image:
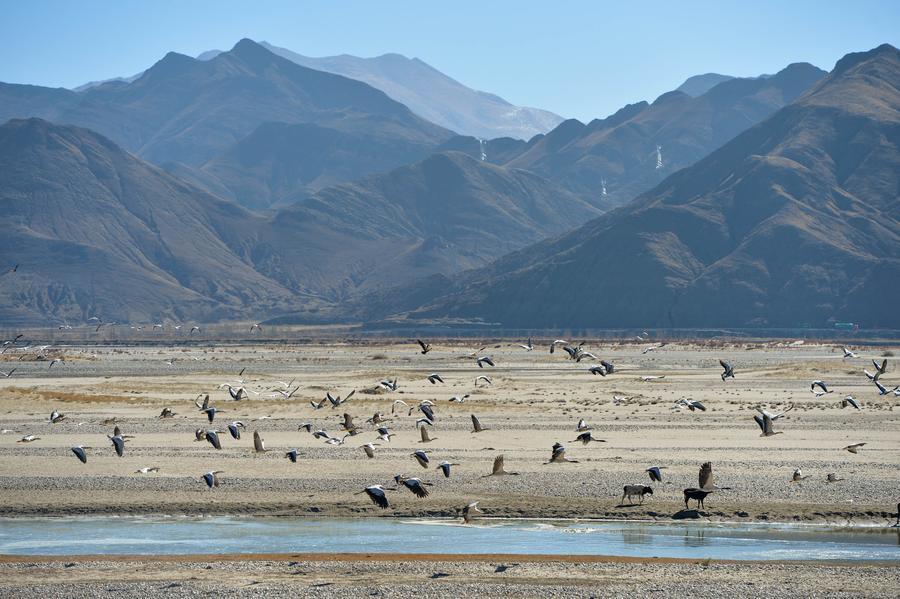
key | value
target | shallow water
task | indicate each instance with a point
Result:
(192, 535)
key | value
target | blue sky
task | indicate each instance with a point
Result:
(579, 59)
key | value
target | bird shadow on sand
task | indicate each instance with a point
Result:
(687, 515)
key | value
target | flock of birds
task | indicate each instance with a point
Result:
(426, 412)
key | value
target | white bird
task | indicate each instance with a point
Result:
(369, 448)
(649, 378)
(582, 426)
(459, 398)
(7, 374)
(390, 385)
(798, 476)
(147, 470)
(28, 439)
(396, 403)
(848, 353)
(55, 417)
(528, 347)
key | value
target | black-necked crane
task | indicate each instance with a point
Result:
(213, 437)
(498, 469)
(235, 428)
(421, 457)
(445, 467)
(378, 496)
(435, 378)
(586, 437)
(655, 473)
(118, 443)
(559, 455)
(415, 485)
(822, 386)
(727, 370)
(369, 448)
(80, 453)
(484, 360)
(291, 455)
(485, 378)
(426, 347)
(468, 512)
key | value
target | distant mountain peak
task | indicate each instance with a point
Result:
(700, 84)
(251, 53)
(171, 64)
(854, 58)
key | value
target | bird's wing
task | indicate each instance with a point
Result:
(498, 464)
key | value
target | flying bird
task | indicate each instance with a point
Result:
(476, 425)
(484, 360)
(212, 478)
(728, 370)
(291, 455)
(118, 443)
(425, 346)
(882, 390)
(498, 469)
(55, 417)
(259, 445)
(468, 512)
(691, 404)
(528, 347)
(369, 448)
(485, 378)
(586, 437)
(80, 453)
(853, 448)
(765, 425)
(821, 385)
(213, 437)
(416, 486)
(435, 378)
(421, 457)
(848, 353)
(426, 438)
(559, 455)
(445, 467)
(849, 401)
(798, 476)
(655, 473)
(378, 496)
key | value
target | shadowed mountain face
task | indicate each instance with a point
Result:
(793, 222)
(187, 110)
(442, 215)
(280, 163)
(99, 232)
(613, 160)
(433, 95)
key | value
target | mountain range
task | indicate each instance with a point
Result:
(613, 160)
(242, 185)
(794, 222)
(100, 232)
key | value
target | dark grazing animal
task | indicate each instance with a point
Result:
(696, 494)
(639, 490)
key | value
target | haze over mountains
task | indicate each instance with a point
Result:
(793, 222)
(243, 185)
(640, 145)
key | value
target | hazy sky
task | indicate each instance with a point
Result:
(579, 59)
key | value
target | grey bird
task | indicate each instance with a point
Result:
(80, 453)
(468, 512)
(586, 437)
(559, 455)
(728, 370)
(476, 425)
(498, 469)
(212, 478)
(421, 457)
(445, 467)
